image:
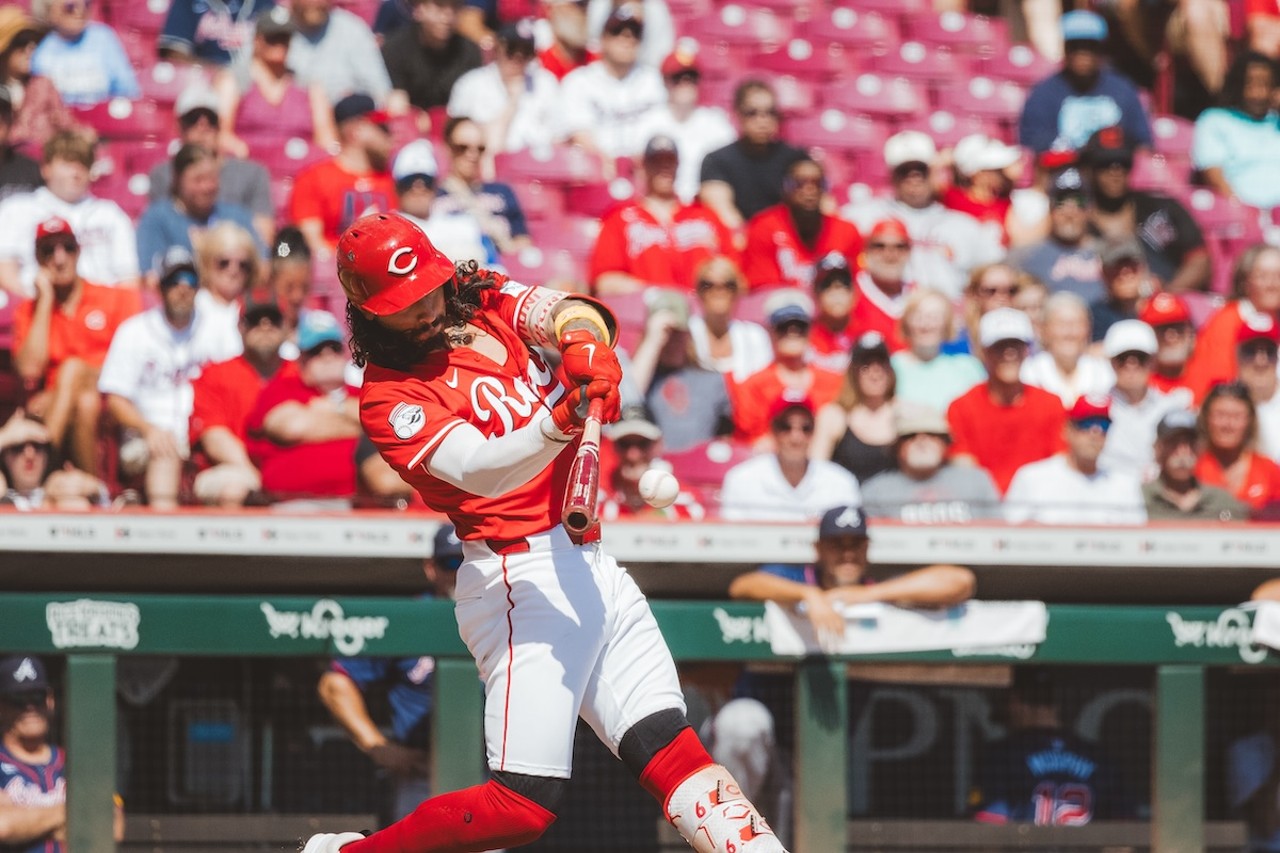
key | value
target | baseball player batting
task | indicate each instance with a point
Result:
(458, 400)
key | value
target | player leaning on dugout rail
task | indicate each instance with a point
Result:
(461, 404)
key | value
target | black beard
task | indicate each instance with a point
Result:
(808, 224)
(1110, 205)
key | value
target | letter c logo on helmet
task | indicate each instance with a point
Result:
(386, 264)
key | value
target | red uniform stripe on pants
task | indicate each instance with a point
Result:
(511, 653)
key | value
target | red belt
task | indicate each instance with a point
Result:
(520, 545)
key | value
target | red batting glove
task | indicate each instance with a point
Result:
(586, 358)
(571, 412)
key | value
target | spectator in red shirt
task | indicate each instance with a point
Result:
(789, 327)
(1167, 314)
(330, 195)
(834, 329)
(1002, 424)
(881, 286)
(303, 430)
(637, 443)
(61, 339)
(1230, 459)
(656, 240)
(568, 48)
(983, 169)
(225, 394)
(784, 242)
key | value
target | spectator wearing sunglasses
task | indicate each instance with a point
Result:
(193, 207)
(223, 397)
(304, 427)
(36, 109)
(882, 287)
(785, 241)
(1175, 494)
(61, 339)
(1256, 355)
(1070, 487)
(406, 686)
(1168, 315)
(990, 286)
(855, 430)
(426, 60)
(454, 232)
(30, 477)
(734, 347)
(229, 266)
(147, 376)
(33, 771)
(240, 182)
(84, 58)
(1067, 259)
(463, 189)
(638, 445)
(1231, 460)
(512, 98)
(1128, 285)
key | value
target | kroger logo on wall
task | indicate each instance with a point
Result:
(325, 621)
(86, 623)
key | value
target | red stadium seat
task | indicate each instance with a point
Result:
(164, 81)
(977, 35)
(946, 128)
(121, 118)
(283, 156)
(876, 95)
(914, 61)
(703, 466)
(744, 30)
(807, 59)
(539, 200)
(119, 187)
(597, 199)
(833, 130)
(1172, 135)
(1222, 218)
(1020, 64)
(573, 234)
(140, 16)
(865, 30)
(1159, 172)
(139, 47)
(539, 266)
(560, 164)
(888, 8)
(998, 100)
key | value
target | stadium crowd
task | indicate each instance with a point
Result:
(863, 254)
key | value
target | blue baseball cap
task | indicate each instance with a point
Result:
(19, 673)
(1082, 25)
(316, 328)
(842, 521)
(447, 548)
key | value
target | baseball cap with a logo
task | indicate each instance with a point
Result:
(1258, 327)
(842, 521)
(54, 226)
(20, 673)
(1165, 309)
(447, 548)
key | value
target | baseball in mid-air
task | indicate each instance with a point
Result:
(659, 488)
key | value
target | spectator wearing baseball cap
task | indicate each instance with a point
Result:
(785, 242)
(1169, 317)
(638, 444)
(1255, 289)
(1070, 487)
(225, 394)
(1002, 424)
(1136, 406)
(1169, 236)
(656, 240)
(698, 128)
(1175, 494)
(241, 181)
(657, 34)
(1256, 355)
(925, 373)
(946, 245)
(1067, 258)
(926, 487)
(512, 98)
(1128, 285)
(306, 451)
(984, 172)
(855, 430)
(787, 484)
(1230, 458)
(61, 338)
(834, 329)
(789, 315)
(602, 105)
(320, 205)
(452, 230)
(881, 286)
(1062, 110)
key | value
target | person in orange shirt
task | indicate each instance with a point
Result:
(1255, 289)
(61, 339)
(784, 242)
(789, 326)
(1230, 460)
(656, 240)
(223, 396)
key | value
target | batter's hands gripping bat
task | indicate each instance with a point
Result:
(583, 490)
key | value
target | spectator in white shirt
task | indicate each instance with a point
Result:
(787, 485)
(604, 105)
(736, 348)
(1069, 487)
(1136, 407)
(659, 27)
(147, 377)
(108, 254)
(697, 129)
(1064, 367)
(513, 98)
(1256, 357)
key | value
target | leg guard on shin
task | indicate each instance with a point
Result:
(714, 816)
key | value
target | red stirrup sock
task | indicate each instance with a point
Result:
(674, 763)
(484, 817)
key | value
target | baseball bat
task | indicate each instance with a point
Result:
(583, 489)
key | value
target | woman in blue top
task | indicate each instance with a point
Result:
(1235, 144)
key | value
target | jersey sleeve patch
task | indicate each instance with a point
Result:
(407, 420)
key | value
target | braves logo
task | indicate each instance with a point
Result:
(396, 268)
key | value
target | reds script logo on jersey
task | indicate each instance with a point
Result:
(511, 407)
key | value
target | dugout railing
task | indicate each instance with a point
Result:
(92, 630)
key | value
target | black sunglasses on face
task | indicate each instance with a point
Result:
(48, 249)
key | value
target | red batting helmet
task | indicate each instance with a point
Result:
(386, 264)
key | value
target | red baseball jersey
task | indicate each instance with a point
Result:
(776, 257)
(633, 241)
(408, 414)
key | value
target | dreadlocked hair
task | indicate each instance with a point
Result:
(373, 343)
